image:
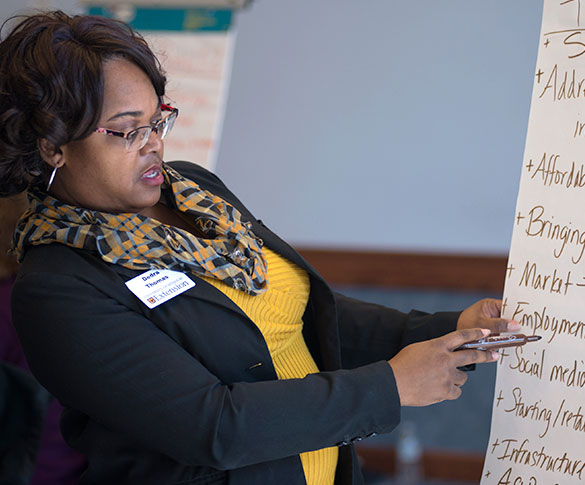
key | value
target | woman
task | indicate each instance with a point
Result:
(186, 341)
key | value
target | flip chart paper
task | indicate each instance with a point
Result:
(538, 421)
(198, 66)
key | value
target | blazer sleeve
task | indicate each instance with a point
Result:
(370, 332)
(114, 365)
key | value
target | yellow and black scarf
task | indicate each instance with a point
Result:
(229, 251)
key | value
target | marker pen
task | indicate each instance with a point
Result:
(494, 342)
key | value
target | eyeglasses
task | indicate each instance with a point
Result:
(137, 138)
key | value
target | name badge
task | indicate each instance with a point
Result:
(156, 286)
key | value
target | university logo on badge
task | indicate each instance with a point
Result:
(154, 287)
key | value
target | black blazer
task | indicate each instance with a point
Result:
(186, 392)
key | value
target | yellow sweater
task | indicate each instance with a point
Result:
(278, 314)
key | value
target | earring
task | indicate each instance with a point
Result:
(52, 177)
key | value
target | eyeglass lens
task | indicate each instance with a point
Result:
(140, 137)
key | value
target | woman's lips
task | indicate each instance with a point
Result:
(153, 176)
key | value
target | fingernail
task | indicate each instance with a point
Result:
(513, 325)
(485, 331)
(495, 355)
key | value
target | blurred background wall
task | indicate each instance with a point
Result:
(378, 125)
(382, 124)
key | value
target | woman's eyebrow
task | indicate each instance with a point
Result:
(133, 114)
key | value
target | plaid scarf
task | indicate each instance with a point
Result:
(229, 250)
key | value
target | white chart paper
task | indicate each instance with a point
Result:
(538, 421)
(198, 67)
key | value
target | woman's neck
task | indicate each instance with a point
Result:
(170, 217)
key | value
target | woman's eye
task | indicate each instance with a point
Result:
(123, 129)
(131, 136)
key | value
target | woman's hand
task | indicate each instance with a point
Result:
(486, 313)
(426, 372)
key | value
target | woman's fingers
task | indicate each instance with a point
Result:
(427, 372)
(456, 339)
(462, 358)
(460, 378)
(486, 313)
(466, 357)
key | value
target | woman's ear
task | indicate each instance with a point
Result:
(50, 153)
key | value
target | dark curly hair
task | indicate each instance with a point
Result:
(51, 86)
